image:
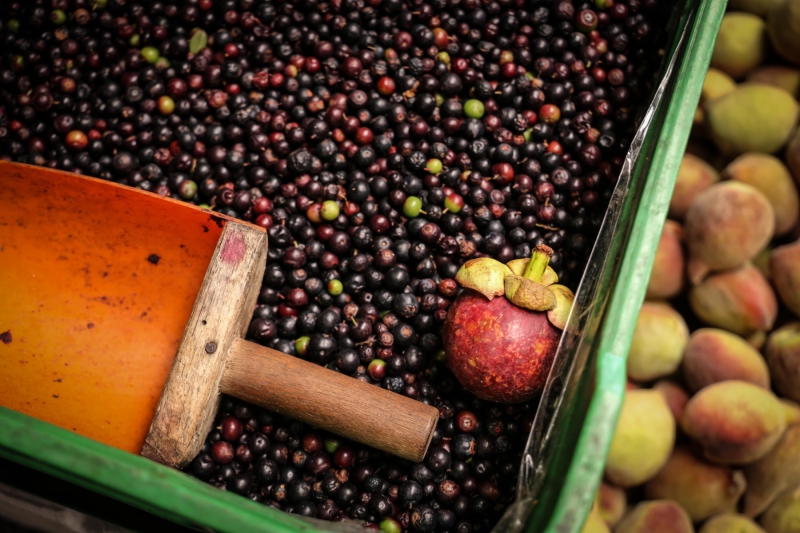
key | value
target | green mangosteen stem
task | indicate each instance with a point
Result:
(539, 260)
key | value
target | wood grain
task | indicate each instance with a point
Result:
(359, 411)
(221, 314)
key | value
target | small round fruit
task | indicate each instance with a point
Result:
(473, 108)
(335, 287)
(76, 140)
(329, 210)
(166, 105)
(412, 207)
(150, 54)
(434, 166)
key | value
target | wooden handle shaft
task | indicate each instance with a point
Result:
(329, 400)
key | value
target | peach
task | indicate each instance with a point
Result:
(610, 503)
(785, 267)
(741, 44)
(770, 176)
(643, 438)
(783, 516)
(792, 411)
(740, 301)
(658, 516)
(694, 176)
(735, 422)
(777, 471)
(658, 342)
(752, 118)
(786, 78)
(675, 395)
(703, 489)
(728, 224)
(783, 357)
(731, 523)
(595, 524)
(666, 276)
(714, 355)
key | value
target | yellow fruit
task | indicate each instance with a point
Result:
(771, 177)
(658, 342)
(779, 470)
(666, 276)
(643, 439)
(730, 523)
(658, 516)
(753, 118)
(694, 176)
(740, 44)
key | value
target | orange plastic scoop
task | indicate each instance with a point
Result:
(97, 282)
(98, 291)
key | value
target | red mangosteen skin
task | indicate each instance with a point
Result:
(498, 351)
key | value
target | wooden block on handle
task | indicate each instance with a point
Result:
(220, 315)
(329, 400)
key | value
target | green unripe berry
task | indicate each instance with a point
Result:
(331, 445)
(388, 525)
(434, 166)
(301, 345)
(13, 26)
(150, 54)
(166, 105)
(187, 189)
(329, 210)
(473, 108)
(412, 207)
(58, 17)
(335, 287)
(454, 203)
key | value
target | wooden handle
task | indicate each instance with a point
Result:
(329, 400)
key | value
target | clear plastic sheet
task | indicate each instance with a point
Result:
(560, 415)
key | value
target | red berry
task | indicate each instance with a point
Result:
(440, 38)
(555, 148)
(76, 140)
(345, 457)
(549, 114)
(222, 452)
(231, 428)
(386, 86)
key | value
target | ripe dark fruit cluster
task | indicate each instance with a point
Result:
(382, 143)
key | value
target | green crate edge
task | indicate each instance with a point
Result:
(586, 469)
(187, 501)
(134, 480)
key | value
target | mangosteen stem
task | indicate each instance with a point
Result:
(539, 260)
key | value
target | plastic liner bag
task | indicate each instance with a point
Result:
(571, 384)
(559, 417)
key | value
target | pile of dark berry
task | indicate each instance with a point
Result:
(382, 143)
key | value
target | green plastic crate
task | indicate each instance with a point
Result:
(575, 421)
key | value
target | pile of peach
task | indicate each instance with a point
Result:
(709, 433)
